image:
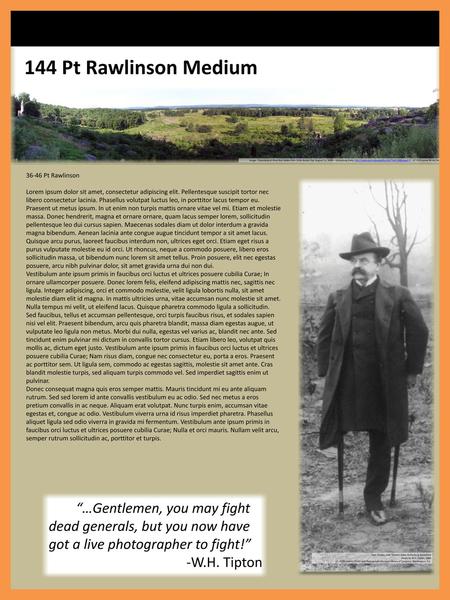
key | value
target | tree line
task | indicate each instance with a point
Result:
(274, 111)
(97, 118)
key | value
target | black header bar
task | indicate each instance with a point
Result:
(225, 28)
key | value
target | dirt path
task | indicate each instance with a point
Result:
(409, 526)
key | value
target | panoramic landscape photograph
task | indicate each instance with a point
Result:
(289, 103)
(53, 132)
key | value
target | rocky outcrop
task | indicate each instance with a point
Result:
(417, 119)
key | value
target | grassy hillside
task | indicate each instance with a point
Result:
(36, 140)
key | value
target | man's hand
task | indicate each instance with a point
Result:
(412, 380)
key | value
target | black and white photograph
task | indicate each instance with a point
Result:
(366, 418)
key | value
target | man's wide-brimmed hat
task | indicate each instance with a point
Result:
(363, 242)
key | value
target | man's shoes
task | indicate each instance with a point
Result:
(377, 517)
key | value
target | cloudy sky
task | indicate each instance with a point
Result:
(327, 76)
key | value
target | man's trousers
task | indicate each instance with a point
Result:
(378, 469)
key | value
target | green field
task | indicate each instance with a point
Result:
(182, 130)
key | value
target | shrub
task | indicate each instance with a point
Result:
(411, 142)
(204, 128)
(240, 128)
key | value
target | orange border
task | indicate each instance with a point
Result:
(6, 7)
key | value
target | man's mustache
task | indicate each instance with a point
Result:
(359, 270)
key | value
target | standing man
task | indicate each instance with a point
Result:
(371, 346)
